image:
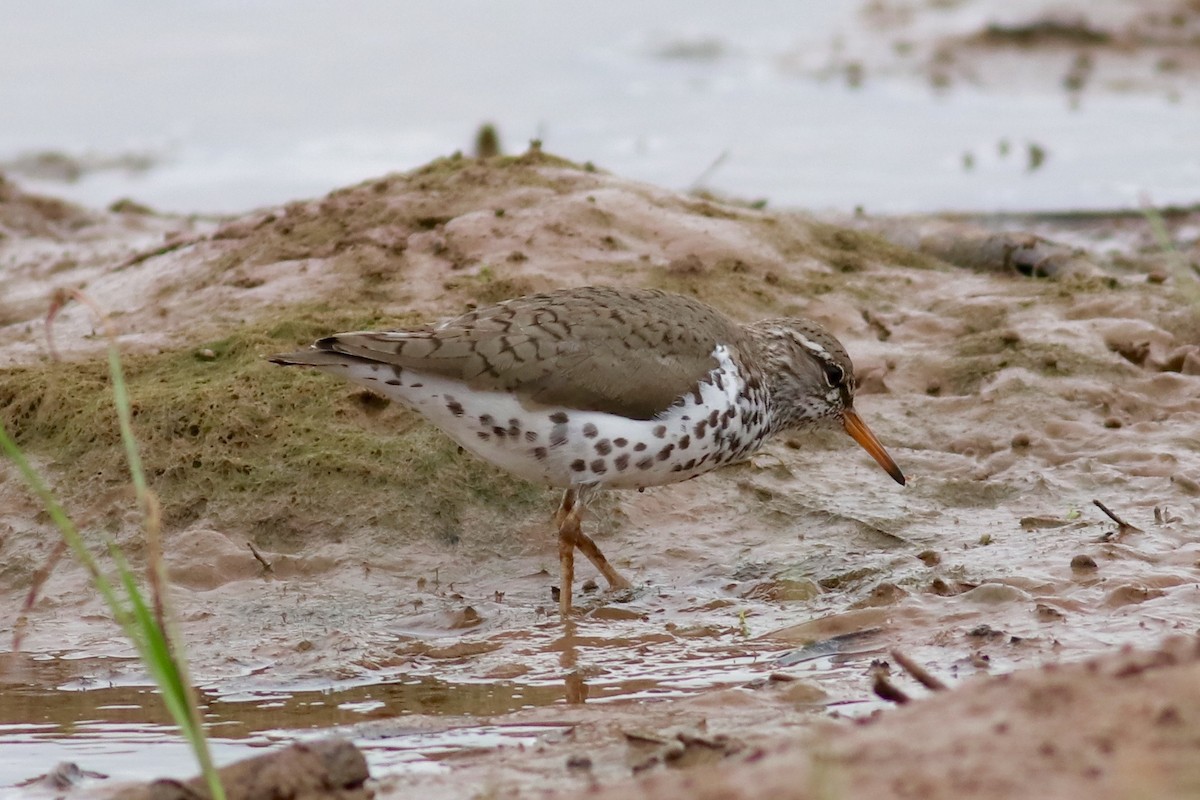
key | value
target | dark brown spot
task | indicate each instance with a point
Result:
(559, 418)
(558, 436)
(416, 385)
(696, 396)
(599, 467)
(589, 431)
(620, 441)
(700, 428)
(603, 447)
(690, 464)
(454, 407)
(685, 442)
(719, 381)
(499, 432)
(578, 465)
(531, 436)
(713, 417)
(677, 468)
(621, 462)
(665, 453)
(640, 446)
(487, 420)
(396, 371)
(483, 435)
(392, 382)
(539, 453)
(660, 431)
(646, 463)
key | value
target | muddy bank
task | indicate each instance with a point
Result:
(1118, 726)
(1015, 379)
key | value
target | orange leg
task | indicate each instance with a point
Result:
(566, 560)
(570, 536)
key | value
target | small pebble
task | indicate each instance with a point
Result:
(206, 354)
(940, 587)
(1156, 276)
(984, 630)
(930, 558)
(1112, 422)
(1048, 613)
(579, 762)
(1083, 562)
(1020, 440)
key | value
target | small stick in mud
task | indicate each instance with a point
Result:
(266, 565)
(39, 579)
(884, 688)
(922, 675)
(1123, 527)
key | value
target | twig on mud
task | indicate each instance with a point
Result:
(266, 565)
(1123, 527)
(922, 675)
(39, 580)
(883, 687)
(708, 171)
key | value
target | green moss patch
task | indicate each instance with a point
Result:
(284, 456)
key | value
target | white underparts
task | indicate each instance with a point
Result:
(712, 425)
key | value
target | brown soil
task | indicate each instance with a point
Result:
(1125, 725)
(1015, 379)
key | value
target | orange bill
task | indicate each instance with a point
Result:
(859, 431)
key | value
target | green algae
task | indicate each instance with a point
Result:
(283, 456)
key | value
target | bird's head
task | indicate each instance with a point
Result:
(811, 382)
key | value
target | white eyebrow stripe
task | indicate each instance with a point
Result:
(809, 344)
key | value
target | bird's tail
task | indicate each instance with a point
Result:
(315, 358)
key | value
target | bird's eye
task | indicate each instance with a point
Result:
(834, 374)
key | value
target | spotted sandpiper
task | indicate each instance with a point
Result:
(601, 387)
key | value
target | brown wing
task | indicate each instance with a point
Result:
(622, 351)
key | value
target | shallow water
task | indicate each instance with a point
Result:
(97, 714)
(235, 107)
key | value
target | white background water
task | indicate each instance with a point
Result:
(245, 104)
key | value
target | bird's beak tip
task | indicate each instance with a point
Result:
(859, 431)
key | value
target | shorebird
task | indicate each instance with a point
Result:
(606, 388)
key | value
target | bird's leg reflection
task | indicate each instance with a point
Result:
(575, 689)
